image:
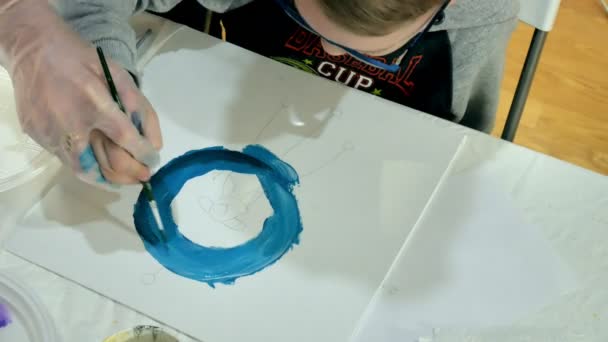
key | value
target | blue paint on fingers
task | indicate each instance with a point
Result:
(212, 265)
(89, 165)
(87, 159)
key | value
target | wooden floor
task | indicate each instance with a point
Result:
(567, 113)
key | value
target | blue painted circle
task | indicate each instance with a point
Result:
(213, 265)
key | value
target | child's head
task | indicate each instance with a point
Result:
(372, 27)
(375, 17)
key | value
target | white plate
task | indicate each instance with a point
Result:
(21, 158)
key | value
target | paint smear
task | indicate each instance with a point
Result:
(5, 318)
(214, 265)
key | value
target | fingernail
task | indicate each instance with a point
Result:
(136, 119)
(87, 159)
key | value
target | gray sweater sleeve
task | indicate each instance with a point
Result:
(478, 72)
(479, 32)
(105, 23)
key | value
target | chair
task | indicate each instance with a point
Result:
(541, 14)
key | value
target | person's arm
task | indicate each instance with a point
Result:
(481, 34)
(105, 22)
(479, 60)
(63, 101)
(484, 89)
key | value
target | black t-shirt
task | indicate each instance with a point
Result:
(424, 82)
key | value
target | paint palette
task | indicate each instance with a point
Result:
(23, 317)
(21, 158)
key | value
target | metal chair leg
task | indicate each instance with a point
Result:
(524, 84)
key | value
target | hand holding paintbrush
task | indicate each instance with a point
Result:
(117, 164)
(62, 99)
(147, 188)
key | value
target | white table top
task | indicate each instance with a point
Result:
(568, 204)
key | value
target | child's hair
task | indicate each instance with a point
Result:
(374, 17)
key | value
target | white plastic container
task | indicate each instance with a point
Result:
(21, 159)
(30, 320)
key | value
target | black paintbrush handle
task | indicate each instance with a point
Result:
(109, 80)
(106, 71)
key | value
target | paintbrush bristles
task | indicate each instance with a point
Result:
(156, 215)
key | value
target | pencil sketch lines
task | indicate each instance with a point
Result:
(346, 147)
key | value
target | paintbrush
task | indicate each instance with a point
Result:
(147, 187)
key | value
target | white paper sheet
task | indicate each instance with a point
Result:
(474, 263)
(367, 168)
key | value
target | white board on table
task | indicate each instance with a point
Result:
(367, 169)
(473, 263)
